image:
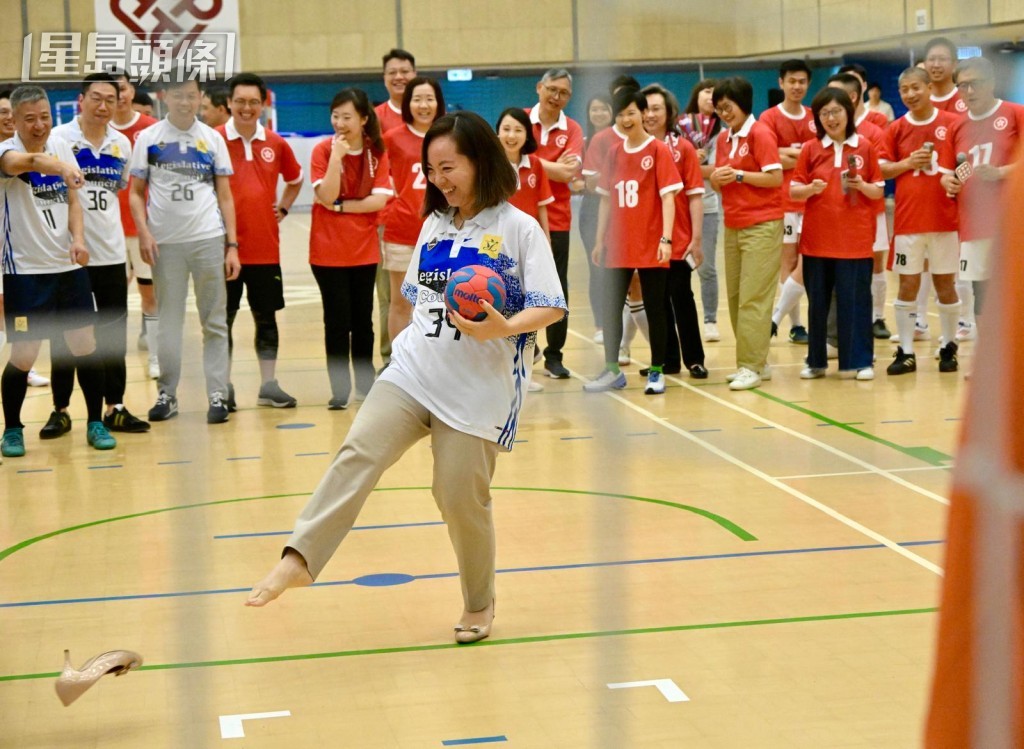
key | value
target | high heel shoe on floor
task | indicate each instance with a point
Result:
(465, 635)
(73, 683)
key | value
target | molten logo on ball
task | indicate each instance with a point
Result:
(469, 286)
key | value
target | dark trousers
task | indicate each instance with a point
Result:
(347, 296)
(681, 315)
(557, 332)
(110, 292)
(850, 280)
(588, 234)
(653, 284)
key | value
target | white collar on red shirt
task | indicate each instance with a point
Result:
(853, 141)
(929, 121)
(989, 113)
(524, 162)
(414, 131)
(561, 124)
(744, 131)
(125, 126)
(860, 119)
(797, 117)
(947, 97)
(638, 149)
(232, 132)
(393, 108)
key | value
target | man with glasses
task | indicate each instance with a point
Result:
(560, 150)
(259, 158)
(939, 62)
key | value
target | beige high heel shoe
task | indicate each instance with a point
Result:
(465, 635)
(72, 683)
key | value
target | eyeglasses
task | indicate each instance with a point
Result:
(971, 85)
(724, 109)
(558, 93)
(831, 114)
(251, 103)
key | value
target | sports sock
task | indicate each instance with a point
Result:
(639, 313)
(878, 290)
(152, 323)
(922, 299)
(628, 326)
(90, 379)
(13, 386)
(949, 316)
(905, 317)
(965, 290)
(789, 301)
(777, 313)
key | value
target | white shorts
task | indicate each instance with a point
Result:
(396, 257)
(792, 225)
(974, 260)
(139, 267)
(881, 234)
(942, 249)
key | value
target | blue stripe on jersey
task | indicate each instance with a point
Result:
(508, 432)
(410, 293)
(8, 251)
(192, 163)
(439, 261)
(102, 171)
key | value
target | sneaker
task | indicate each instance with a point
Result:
(271, 394)
(921, 332)
(556, 370)
(154, 367)
(13, 444)
(902, 363)
(711, 334)
(669, 369)
(218, 412)
(812, 373)
(655, 384)
(699, 372)
(766, 374)
(166, 407)
(798, 334)
(947, 360)
(36, 380)
(534, 387)
(121, 420)
(232, 406)
(98, 436)
(607, 380)
(337, 404)
(775, 329)
(878, 329)
(831, 352)
(866, 373)
(599, 337)
(57, 425)
(745, 379)
(624, 359)
(965, 331)
(536, 357)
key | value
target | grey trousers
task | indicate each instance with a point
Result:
(389, 422)
(204, 261)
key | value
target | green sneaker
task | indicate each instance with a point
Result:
(13, 444)
(99, 437)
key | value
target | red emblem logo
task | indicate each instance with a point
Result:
(1000, 123)
(561, 140)
(646, 162)
(811, 126)
(744, 150)
(940, 132)
(859, 161)
(532, 180)
(149, 21)
(961, 105)
(267, 154)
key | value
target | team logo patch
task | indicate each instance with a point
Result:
(859, 161)
(744, 150)
(811, 126)
(490, 245)
(961, 105)
(21, 324)
(646, 162)
(676, 156)
(115, 151)
(374, 163)
(532, 180)
(940, 132)
(267, 154)
(561, 140)
(201, 146)
(1000, 123)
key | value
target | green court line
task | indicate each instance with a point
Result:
(509, 641)
(925, 454)
(728, 525)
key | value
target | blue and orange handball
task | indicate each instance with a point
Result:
(468, 286)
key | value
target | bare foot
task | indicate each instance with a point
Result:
(290, 572)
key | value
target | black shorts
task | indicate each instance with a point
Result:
(41, 305)
(263, 285)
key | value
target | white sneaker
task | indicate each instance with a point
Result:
(711, 333)
(745, 379)
(655, 384)
(599, 336)
(36, 380)
(966, 331)
(534, 387)
(607, 380)
(154, 367)
(624, 356)
(865, 374)
(921, 332)
(831, 352)
(766, 374)
(812, 373)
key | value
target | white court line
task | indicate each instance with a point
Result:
(860, 473)
(835, 514)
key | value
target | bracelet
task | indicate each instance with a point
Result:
(283, 209)
(665, 240)
(229, 245)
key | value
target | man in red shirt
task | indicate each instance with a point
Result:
(916, 152)
(940, 56)
(560, 150)
(131, 123)
(259, 158)
(862, 112)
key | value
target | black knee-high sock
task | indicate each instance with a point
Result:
(13, 386)
(90, 379)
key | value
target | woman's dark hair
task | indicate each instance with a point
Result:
(671, 106)
(496, 178)
(520, 116)
(604, 99)
(825, 97)
(358, 99)
(693, 105)
(737, 90)
(626, 96)
(407, 97)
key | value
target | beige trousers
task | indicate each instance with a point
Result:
(752, 260)
(389, 422)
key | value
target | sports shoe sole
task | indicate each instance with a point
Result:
(275, 404)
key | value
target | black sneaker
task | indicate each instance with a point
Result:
(947, 358)
(218, 412)
(272, 395)
(337, 404)
(798, 334)
(166, 407)
(123, 421)
(878, 329)
(57, 425)
(700, 372)
(232, 406)
(775, 329)
(556, 370)
(902, 363)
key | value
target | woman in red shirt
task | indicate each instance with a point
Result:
(534, 194)
(838, 176)
(351, 183)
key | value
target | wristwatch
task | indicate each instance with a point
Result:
(739, 177)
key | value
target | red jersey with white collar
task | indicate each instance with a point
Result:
(635, 181)
(258, 164)
(922, 205)
(876, 137)
(131, 131)
(951, 103)
(564, 137)
(684, 155)
(751, 149)
(877, 119)
(401, 217)
(389, 116)
(791, 131)
(534, 186)
(991, 138)
(598, 148)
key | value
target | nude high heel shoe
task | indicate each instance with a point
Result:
(465, 635)
(72, 683)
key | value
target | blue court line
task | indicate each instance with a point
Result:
(441, 575)
(481, 740)
(307, 455)
(36, 470)
(246, 457)
(355, 528)
(99, 468)
(588, 437)
(173, 462)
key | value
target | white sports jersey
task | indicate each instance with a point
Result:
(474, 386)
(34, 215)
(180, 166)
(106, 173)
